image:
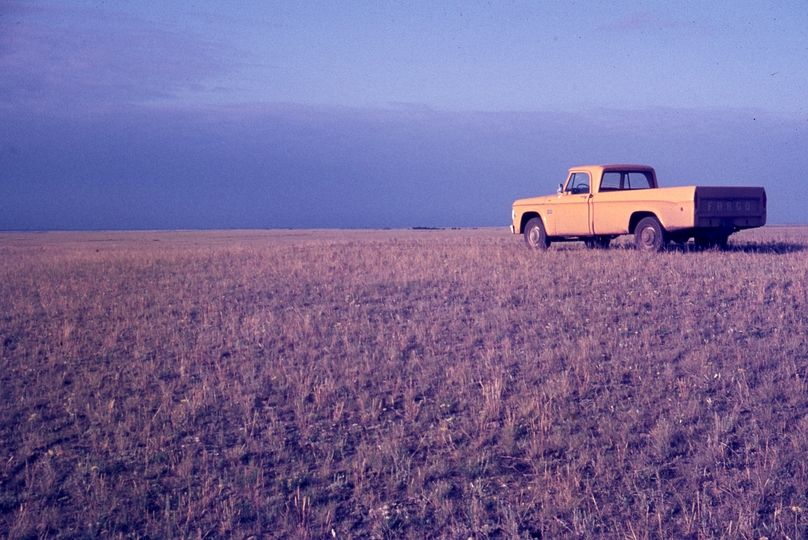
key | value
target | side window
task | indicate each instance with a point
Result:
(618, 180)
(610, 181)
(638, 180)
(578, 183)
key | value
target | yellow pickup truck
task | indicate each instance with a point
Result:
(598, 203)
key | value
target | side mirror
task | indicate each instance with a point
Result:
(560, 188)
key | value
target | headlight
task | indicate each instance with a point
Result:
(513, 214)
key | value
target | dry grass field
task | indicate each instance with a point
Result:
(388, 384)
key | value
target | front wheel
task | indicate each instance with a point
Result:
(535, 235)
(649, 235)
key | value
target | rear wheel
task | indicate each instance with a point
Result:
(535, 235)
(649, 235)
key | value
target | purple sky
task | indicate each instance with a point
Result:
(152, 115)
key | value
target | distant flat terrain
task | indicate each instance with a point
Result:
(769, 233)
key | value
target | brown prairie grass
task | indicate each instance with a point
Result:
(422, 384)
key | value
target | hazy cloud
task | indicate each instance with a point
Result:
(635, 21)
(66, 58)
(643, 21)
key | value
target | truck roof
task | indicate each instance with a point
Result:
(614, 166)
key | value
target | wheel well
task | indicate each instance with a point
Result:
(527, 216)
(636, 218)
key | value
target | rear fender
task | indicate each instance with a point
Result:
(636, 217)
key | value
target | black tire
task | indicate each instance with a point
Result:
(598, 242)
(649, 235)
(535, 235)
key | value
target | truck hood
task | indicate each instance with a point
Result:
(543, 199)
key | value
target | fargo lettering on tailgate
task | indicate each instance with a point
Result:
(731, 206)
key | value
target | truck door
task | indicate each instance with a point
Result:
(571, 212)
